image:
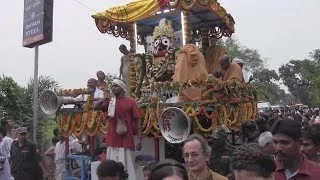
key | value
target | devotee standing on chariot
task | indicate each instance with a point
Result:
(212, 55)
(123, 119)
(125, 67)
(102, 84)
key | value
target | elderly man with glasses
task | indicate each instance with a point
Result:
(196, 153)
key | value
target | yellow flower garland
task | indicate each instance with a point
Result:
(191, 113)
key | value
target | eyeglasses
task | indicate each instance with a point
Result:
(192, 155)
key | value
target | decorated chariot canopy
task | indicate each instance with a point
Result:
(191, 16)
(174, 81)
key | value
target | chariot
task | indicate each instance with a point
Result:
(163, 28)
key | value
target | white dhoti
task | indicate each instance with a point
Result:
(126, 156)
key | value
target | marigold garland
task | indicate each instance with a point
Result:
(66, 124)
(93, 123)
(104, 124)
(191, 112)
(81, 127)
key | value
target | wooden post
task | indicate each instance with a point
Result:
(187, 27)
(156, 148)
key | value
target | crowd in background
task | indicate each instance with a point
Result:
(282, 144)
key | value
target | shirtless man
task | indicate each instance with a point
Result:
(125, 66)
(102, 84)
(230, 70)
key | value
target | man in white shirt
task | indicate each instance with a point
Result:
(92, 87)
(60, 155)
(5, 145)
(246, 74)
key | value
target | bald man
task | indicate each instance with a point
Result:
(102, 84)
(92, 87)
(230, 70)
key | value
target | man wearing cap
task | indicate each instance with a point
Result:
(123, 119)
(25, 159)
(290, 162)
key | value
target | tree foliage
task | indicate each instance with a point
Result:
(302, 78)
(265, 80)
(16, 102)
(252, 57)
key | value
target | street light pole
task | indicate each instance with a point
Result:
(35, 94)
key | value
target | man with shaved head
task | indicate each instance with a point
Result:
(92, 88)
(230, 70)
(125, 66)
(102, 84)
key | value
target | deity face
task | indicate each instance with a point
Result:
(162, 45)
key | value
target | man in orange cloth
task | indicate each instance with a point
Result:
(230, 70)
(213, 53)
(190, 66)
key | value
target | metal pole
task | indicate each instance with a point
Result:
(35, 94)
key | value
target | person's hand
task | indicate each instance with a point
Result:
(138, 147)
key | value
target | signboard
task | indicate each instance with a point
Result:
(37, 22)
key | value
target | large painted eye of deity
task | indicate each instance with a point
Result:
(156, 42)
(165, 40)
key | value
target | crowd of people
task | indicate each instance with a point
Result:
(285, 151)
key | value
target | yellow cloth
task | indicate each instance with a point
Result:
(234, 72)
(133, 11)
(212, 58)
(190, 66)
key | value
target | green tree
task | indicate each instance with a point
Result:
(268, 90)
(299, 77)
(265, 80)
(16, 102)
(45, 82)
(315, 78)
(252, 57)
(12, 99)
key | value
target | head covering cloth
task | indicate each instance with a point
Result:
(113, 100)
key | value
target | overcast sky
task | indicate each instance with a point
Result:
(279, 29)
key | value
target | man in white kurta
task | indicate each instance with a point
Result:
(5, 145)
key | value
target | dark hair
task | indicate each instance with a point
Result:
(55, 140)
(252, 157)
(122, 46)
(250, 130)
(4, 122)
(313, 133)
(149, 166)
(287, 127)
(3, 131)
(262, 124)
(204, 143)
(56, 131)
(167, 168)
(111, 168)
